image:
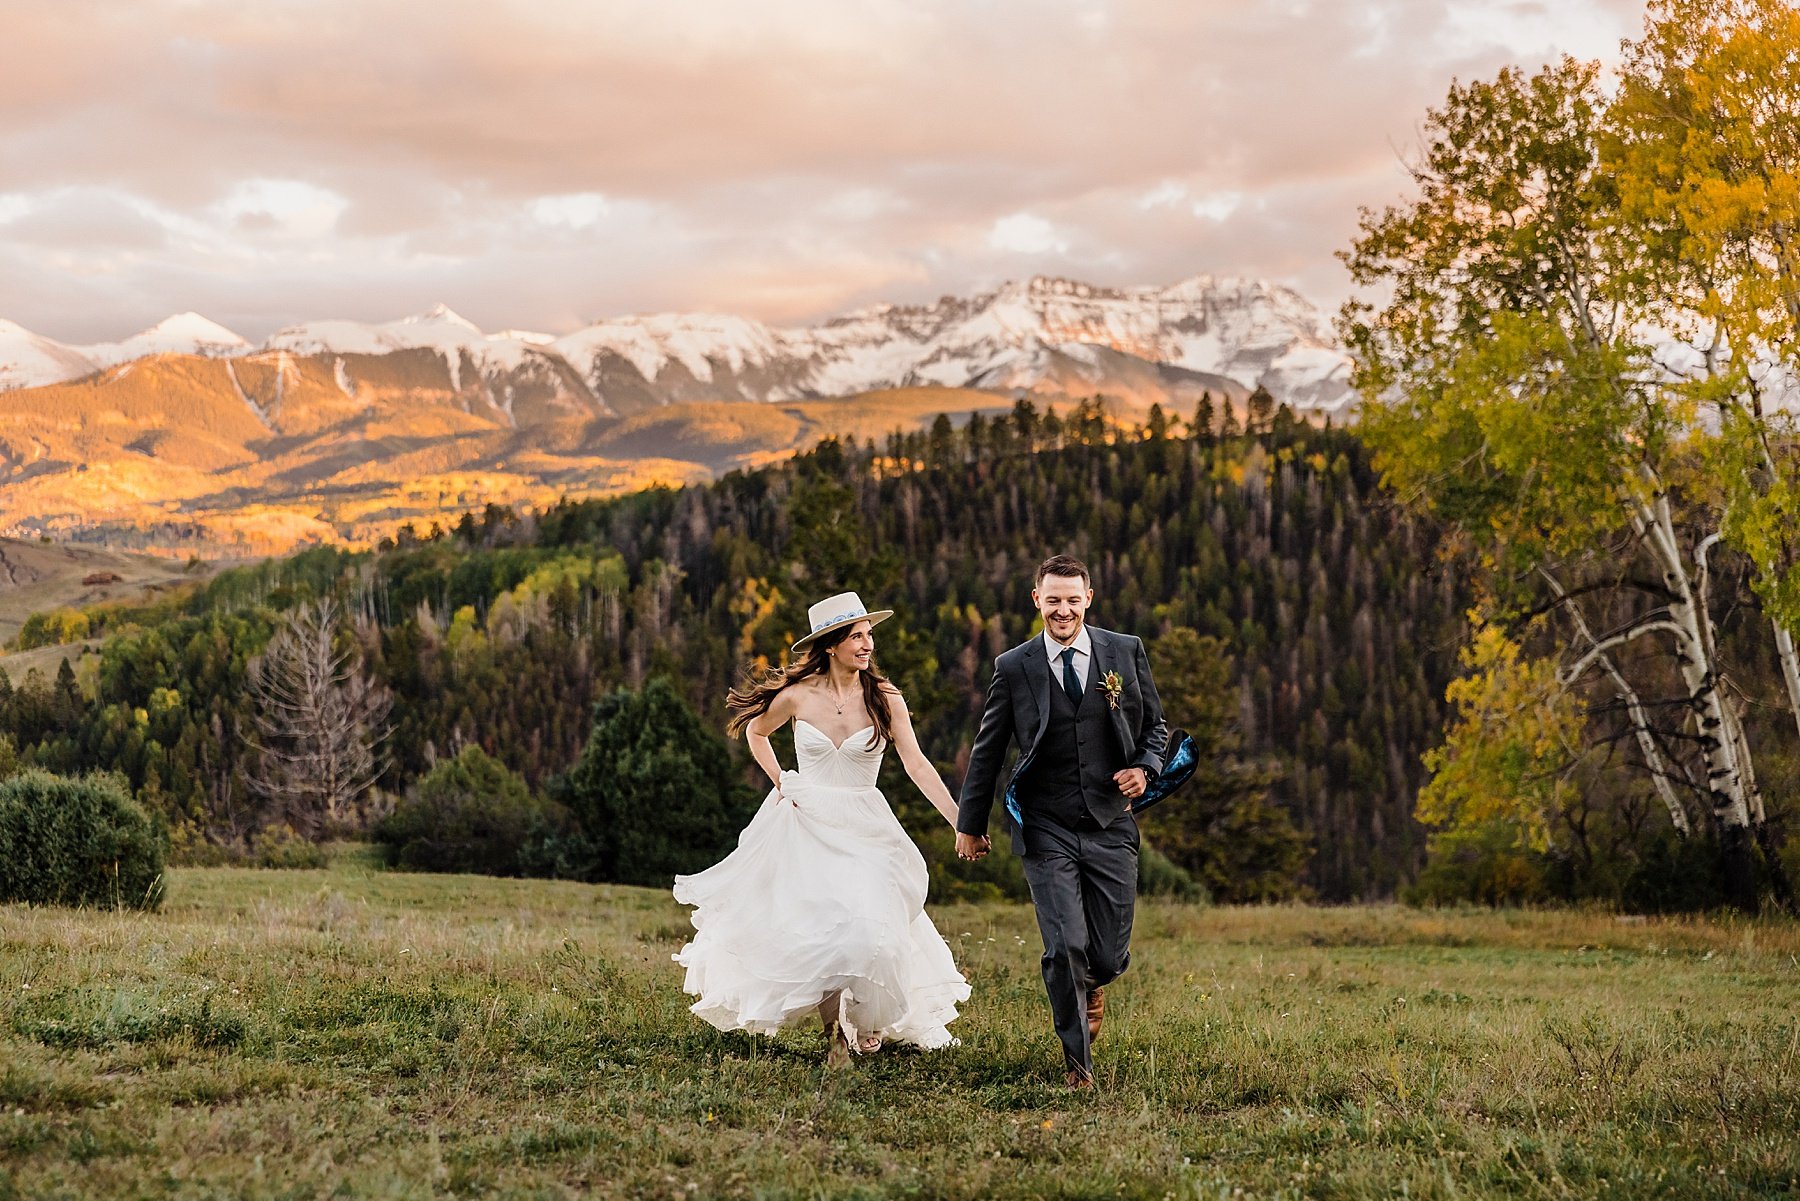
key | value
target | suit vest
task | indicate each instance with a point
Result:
(1072, 773)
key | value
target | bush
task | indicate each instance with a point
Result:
(655, 791)
(1676, 875)
(284, 847)
(190, 847)
(997, 876)
(1484, 864)
(53, 628)
(1160, 876)
(277, 846)
(470, 814)
(78, 842)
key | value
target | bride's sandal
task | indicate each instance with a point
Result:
(868, 1044)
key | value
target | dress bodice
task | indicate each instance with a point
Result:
(850, 764)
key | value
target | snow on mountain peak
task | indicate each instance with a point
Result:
(182, 333)
(191, 329)
(193, 325)
(1055, 285)
(1023, 333)
(1015, 335)
(439, 328)
(29, 360)
(441, 314)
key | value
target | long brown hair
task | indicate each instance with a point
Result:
(752, 698)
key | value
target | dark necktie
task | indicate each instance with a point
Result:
(1071, 682)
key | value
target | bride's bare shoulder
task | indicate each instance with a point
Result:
(798, 698)
(784, 703)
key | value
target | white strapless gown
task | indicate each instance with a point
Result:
(825, 892)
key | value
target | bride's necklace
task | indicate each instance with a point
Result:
(840, 702)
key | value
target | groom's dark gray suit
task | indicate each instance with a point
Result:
(1067, 817)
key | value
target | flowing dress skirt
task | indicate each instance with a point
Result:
(824, 893)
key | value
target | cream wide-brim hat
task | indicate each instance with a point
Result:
(836, 612)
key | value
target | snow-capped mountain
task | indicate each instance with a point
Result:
(498, 369)
(29, 360)
(440, 329)
(1046, 335)
(184, 333)
(1043, 334)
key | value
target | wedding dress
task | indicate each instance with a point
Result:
(824, 892)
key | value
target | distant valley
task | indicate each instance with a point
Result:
(187, 438)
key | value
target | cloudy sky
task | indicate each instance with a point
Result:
(541, 163)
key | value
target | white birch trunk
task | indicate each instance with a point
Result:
(1654, 760)
(1790, 668)
(1722, 745)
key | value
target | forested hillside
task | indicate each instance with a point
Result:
(1342, 623)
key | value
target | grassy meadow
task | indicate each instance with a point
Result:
(354, 1032)
(36, 577)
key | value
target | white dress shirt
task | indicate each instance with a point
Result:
(1083, 657)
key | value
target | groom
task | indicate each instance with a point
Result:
(1080, 704)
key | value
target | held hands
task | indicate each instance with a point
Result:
(969, 847)
(1132, 782)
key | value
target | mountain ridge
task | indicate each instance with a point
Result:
(1042, 334)
(341, 431)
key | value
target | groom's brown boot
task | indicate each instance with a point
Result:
(1096, 1009)
(1079, 1080)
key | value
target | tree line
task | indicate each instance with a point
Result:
(1328, 608)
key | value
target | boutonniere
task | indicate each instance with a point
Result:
(1113, 685)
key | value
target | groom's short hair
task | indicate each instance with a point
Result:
(1067, 566)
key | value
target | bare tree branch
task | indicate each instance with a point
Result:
(319, 719)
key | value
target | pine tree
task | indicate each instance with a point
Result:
(655, 791)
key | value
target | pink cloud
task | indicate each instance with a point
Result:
(782, 159)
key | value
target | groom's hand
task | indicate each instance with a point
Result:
(1132, 781)
(968, 846)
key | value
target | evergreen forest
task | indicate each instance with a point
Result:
(1302, 624)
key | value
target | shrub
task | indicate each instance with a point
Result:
(469, 814)
(190, 847)
(1160, 876)
(284, 847)
(655, 791)
(997, 876)
(78, 841)
(53, 628)
(1484, 864)
(1676, 875)
(276, 846)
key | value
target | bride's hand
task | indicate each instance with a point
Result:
(971, 847)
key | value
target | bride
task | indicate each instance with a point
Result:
(821, 907)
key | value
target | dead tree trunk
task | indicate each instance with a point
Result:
(319, 721)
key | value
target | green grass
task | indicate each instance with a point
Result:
(350, 1032)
